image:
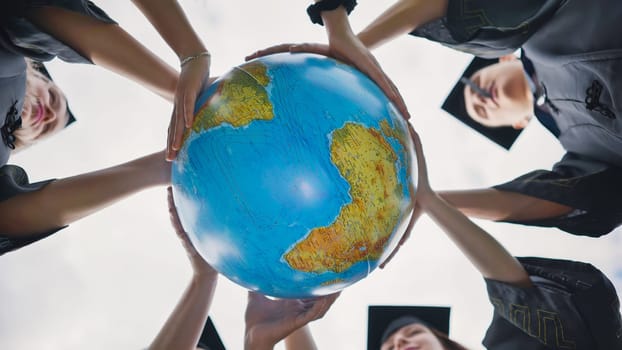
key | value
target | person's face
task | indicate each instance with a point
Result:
(511, 103)
(412, 337)
(44, 111)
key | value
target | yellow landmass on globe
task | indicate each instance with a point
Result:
(332, 282)
(258, 71)
(241, 98)
(367, 161)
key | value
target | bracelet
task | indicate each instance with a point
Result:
(315, 10)
(193, 57)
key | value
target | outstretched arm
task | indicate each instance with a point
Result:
(109, 46)
(67, 200)
(183, 327)
(171, 22)
(345, 45)
(488, 255)
(493, 204)
(401, 18)
(168, 18)
(302, 339)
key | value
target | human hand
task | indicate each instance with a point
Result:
(345, 46)
(194, 74)
(416, 214)
(348, 49)
(199, 265)
(268, 321)
(422, 168)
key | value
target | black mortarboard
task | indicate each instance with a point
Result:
(210, 340)
(454, 105)
(384, 320)
(39, 66)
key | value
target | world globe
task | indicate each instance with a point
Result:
(296, 179)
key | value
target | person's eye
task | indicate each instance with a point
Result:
(414, 332)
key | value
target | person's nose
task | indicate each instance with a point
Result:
(50, 114)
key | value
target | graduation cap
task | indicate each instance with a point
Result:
(40, 67)
(384, 320)
(454, 105)
(210, 340)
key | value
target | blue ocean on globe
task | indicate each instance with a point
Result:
(296, 179)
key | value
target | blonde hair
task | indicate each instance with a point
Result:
(32, 75)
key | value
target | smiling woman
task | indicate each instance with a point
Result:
(416, 335)
(45, 110)
(77, 31)
(392, 327)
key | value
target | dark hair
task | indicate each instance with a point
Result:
(447, 343)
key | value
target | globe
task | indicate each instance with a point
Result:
(296, 178)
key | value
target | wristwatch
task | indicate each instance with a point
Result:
(315, 10)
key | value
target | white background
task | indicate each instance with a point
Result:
(109, 281)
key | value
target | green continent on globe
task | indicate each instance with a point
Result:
(367, 161)
(257, 70)
(241, 98)
(395, 133)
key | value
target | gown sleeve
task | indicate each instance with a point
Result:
(590, 187)
(14, 181)
(21, 36)
(571, 305)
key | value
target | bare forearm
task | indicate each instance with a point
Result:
(488, 256)
(250, 344)
(301, 339)
(170, 21)
(67, 200)
(401, 18)
(183, 328)
(109, 46)
(492, 204)
(336, 22)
